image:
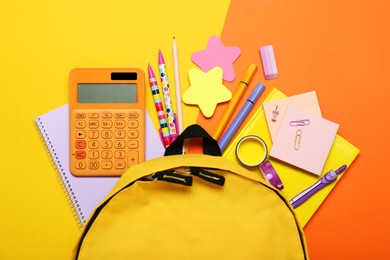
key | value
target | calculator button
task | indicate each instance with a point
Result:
(93, 165)
(120, 134)
(93, 134)
(80, 165)
(106, 165)
(132, 144)
(106, 144)
(133, 124)
(133, 115)
(80, 144)
(80, 154)
(120, 144)
(107, 124)
(80, 134)
(93, 154)
(93, 124)
(119, 115)
(133, 134)
(119, 154)
(106, 154)
(106, 134)
(132, 157)
(80, 124)
(106, 141)
(106, 115)
(93, 144)
(120, 164)
(120, 124)
(80, 115)
(93, 115)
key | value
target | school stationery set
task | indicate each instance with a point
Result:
(285, 155)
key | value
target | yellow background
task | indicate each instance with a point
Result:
(41, 41)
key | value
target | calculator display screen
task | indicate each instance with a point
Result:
(107, 93)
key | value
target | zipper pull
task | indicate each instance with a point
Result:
(169, 176)
(208, 176)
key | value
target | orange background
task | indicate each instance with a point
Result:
(340, 49)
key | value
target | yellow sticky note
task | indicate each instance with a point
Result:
(206, 90)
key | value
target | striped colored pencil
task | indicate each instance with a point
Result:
(167, 98)
(164, 131)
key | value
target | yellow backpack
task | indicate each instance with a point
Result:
(192, 206)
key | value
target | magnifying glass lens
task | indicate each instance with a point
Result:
(251, 152)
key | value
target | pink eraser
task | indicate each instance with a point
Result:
(269, 63)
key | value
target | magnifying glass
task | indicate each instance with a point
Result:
(252, 151)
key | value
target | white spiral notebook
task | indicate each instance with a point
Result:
(84, 193)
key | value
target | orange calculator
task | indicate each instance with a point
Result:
(107, 121)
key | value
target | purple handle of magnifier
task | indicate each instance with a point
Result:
(329, 177)
(270, 175)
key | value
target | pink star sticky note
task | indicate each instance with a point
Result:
(217, 54)
(206, 90)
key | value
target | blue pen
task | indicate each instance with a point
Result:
(230, 132)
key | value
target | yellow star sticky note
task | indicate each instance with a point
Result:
(206, 90)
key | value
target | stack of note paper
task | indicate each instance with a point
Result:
(301, 137)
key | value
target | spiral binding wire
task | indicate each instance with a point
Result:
(61, 176)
